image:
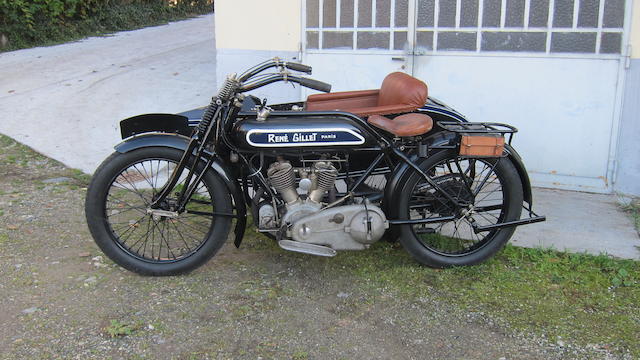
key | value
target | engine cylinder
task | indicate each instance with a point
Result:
(325, 177)
(282, 178)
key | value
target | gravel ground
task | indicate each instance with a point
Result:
(62, 299)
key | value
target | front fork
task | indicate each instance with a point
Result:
(196, 151)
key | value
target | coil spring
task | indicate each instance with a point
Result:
(207, 117)
(281, 176)
(226, 90)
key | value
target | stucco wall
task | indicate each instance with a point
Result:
(258, 24)
(251, 31)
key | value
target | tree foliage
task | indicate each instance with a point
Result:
(35, 22)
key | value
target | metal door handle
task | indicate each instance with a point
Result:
(399, 58)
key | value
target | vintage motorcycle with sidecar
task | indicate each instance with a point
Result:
(338, 171)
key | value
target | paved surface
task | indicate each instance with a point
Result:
(66, 101)
(580, 222)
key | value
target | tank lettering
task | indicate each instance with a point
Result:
(273, 138)
(298, 137)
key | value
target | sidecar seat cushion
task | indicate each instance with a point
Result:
(404, 125)
(399, 93)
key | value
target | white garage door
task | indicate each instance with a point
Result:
(549, 67)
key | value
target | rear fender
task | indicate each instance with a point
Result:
(180, 142)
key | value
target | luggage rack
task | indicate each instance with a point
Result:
(498, 129)
(479, 128)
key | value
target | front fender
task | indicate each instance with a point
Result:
(180, 142)
(166, 123)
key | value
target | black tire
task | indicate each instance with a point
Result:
(448, 244)
(109, 205)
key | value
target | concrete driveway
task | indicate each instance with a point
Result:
(66, 101)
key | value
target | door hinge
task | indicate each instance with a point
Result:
(627, 57)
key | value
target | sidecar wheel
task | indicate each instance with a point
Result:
(493, 187)
(117, 206)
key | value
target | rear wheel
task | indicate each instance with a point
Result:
(155, 243)
(491, 187)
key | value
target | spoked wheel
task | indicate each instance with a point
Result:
(155, 241)
(490, 187)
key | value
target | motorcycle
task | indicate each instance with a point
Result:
(338, 171)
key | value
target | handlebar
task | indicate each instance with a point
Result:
(306, 82)
(298, 67)
(315, 84)
(275, 63)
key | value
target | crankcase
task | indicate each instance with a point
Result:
(349, 227)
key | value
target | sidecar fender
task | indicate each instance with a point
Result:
(445, 139)
(180, 142)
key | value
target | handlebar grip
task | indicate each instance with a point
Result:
(315, 84)
(299, 67)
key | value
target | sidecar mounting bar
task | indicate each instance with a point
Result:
(531, 220)
(422, 221)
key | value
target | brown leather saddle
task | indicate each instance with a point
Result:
(400, 93)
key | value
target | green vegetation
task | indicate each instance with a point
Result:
(589, 299)
(634, 210)
(28, 23)
(584, 298)
(117, 328)
(14, 156)
(300, 355)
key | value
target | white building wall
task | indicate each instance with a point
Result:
(251, 31)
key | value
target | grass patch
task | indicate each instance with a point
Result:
(4, 239)
(119, 329)
(587, 299)
(633, 208)
(16, 158)
(13, 153)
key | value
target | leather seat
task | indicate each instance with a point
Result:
(412, 124)
(399, 93)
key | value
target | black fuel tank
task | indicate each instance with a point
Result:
(325, 132)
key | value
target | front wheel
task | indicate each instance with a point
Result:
(147, 242)
(490, 186)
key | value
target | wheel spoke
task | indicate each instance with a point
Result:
(472, 181)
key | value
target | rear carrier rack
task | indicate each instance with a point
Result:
(488, 140)
(480, 139)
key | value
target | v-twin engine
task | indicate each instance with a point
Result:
(347, 227)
